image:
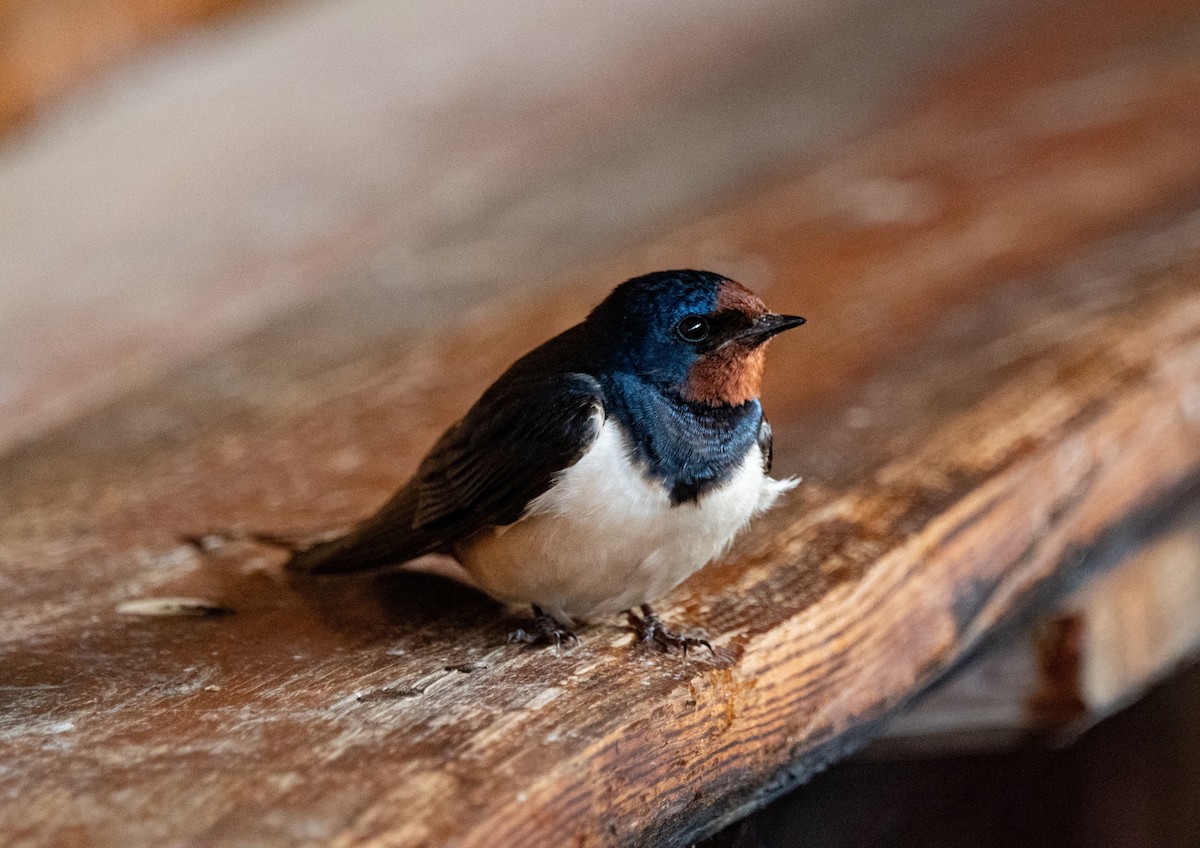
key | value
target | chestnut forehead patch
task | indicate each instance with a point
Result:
(736, 297)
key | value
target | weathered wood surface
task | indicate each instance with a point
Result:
(1097, 651)
(1129, 782)
(386, 711)
(990, 382)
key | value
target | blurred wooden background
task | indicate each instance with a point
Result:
(51, 47)
(255, 256)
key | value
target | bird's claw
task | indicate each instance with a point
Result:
(649, 628)
(546, 631)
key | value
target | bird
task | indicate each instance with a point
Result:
(602, 468)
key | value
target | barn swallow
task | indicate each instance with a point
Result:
(603, 468)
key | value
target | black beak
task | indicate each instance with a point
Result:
(770, 325)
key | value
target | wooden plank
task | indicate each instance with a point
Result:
(388, 711)
(1099, 650)
(964, 431)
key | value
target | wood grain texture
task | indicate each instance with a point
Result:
(1129, 782)
(1096, 652)
(1003, 362)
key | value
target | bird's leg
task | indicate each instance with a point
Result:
(546, 631)
(649, 628)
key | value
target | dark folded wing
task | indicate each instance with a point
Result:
(482, 472)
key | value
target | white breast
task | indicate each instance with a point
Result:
(604, 538)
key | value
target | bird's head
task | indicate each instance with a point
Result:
(698, 333)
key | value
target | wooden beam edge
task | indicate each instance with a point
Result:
(1071, 664)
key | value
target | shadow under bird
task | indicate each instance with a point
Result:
(601, 469)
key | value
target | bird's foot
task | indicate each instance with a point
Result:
(546, 631)
(649, 628)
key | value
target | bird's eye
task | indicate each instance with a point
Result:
(693, 328)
